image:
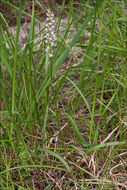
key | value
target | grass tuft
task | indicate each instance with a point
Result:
(63, 110)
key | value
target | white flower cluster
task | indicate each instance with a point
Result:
(50, 37)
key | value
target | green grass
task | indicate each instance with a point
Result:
(63, 120)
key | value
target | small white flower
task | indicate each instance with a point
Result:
(47, 48)
(50, 55)
(53, 21)
(53, 27)
(48, 14)
(52, 33)
(54, 36)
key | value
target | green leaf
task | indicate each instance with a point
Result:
(4, 53)
(59, 158)
(105, 145)
(76, 130)
(119, 82)
(49, 187)
(123, 19)
(85, 100)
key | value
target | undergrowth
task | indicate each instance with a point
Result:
(63, 100)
